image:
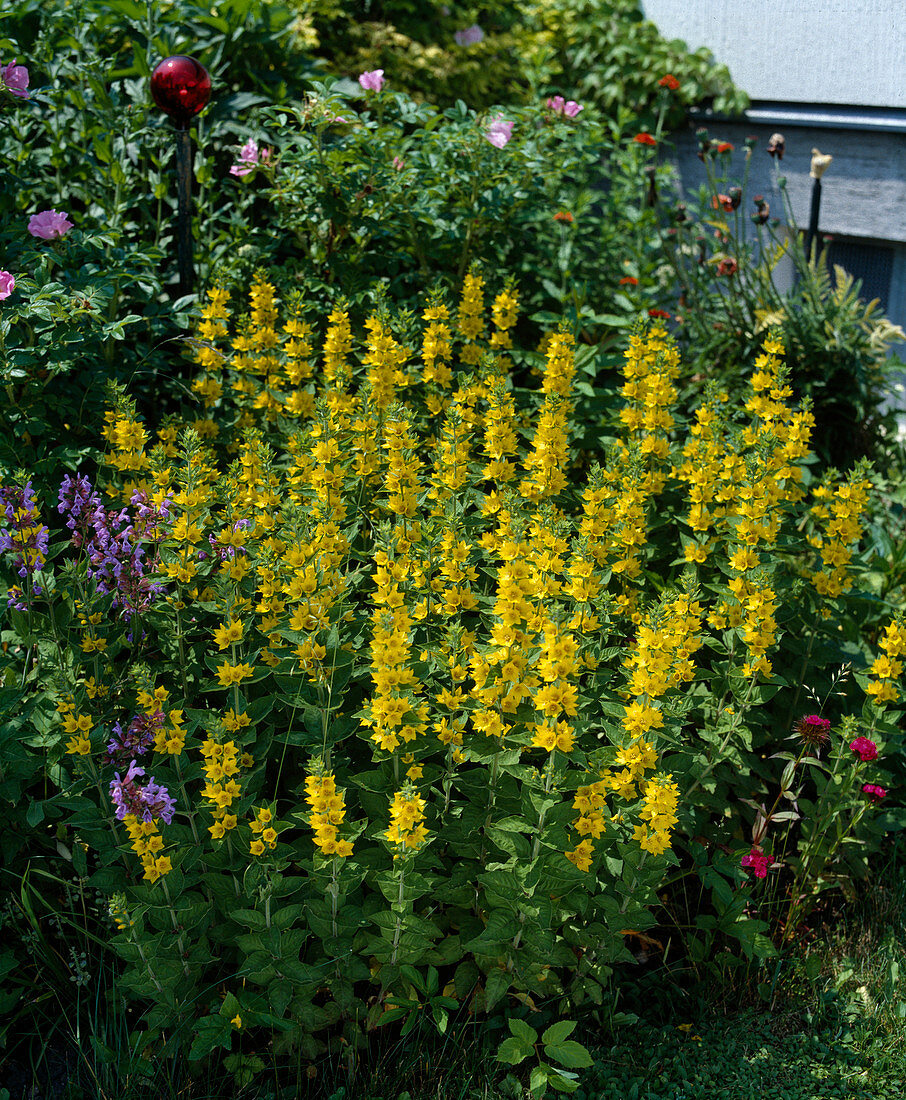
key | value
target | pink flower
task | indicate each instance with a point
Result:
(470, 36)
(15, 79)
(874, 792)
(372, 81)
(499, 131)
(566, 107)
(250, 158)
(49, 224)
(7, 284)
(757, 861)
(865, 749)
(398, 163)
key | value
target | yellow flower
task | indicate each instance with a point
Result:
(236, 1021)
(229, 674)
(228, 634)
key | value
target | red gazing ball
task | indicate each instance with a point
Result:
(181, 87)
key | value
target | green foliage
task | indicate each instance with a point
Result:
(601, 52)
(728, 254)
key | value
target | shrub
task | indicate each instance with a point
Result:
(366, 709)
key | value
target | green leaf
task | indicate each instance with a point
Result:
(570, 1054)
(557, 1032)
(512, 1052)
(522, 1031)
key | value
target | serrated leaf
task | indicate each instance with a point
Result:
(569, 1053)
(512, 1052)
(522, 1031)
(557, 1032)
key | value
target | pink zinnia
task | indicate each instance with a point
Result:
(499, 131)
(49, 224)
(372, 81)
(757, 862)
(865, 749)
(15, 79)
(7, 284)
(470, 36)
(874, 792)
(250, 158)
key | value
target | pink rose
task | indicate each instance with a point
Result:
(250, 158)
(49, 224)
(499, 131)
(15, 79)
(560, 106)
(470, 36)
(7, 284)
(372, 81)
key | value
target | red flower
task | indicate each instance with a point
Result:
(645, 139)
(669, 81)
(658, 313)
(563, 216)
(724, 147)
(874, 792)
(727, 266)
(629, 280)
(865, 749)
(723, 200)
(757, 861)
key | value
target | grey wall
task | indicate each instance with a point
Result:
(799, 51)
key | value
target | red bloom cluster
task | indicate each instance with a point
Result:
(874, 792)
(757, 862)
(669, 81)
(644, 139)
(865, 749)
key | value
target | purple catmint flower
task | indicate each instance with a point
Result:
(137, 738)
(113, 542)
(22, 535)
(146, 803)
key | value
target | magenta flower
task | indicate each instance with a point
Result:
(499, 131)
(566, 107)
(372, 81)
(757, 862)
(874, 792)
(812, 728)
(250, 158)
(865, 749)
(470, 36)
(15, 79)
(49, 224)
(7, 284)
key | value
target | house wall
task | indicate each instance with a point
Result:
(798, 51)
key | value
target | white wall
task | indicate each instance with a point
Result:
(798, 51)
